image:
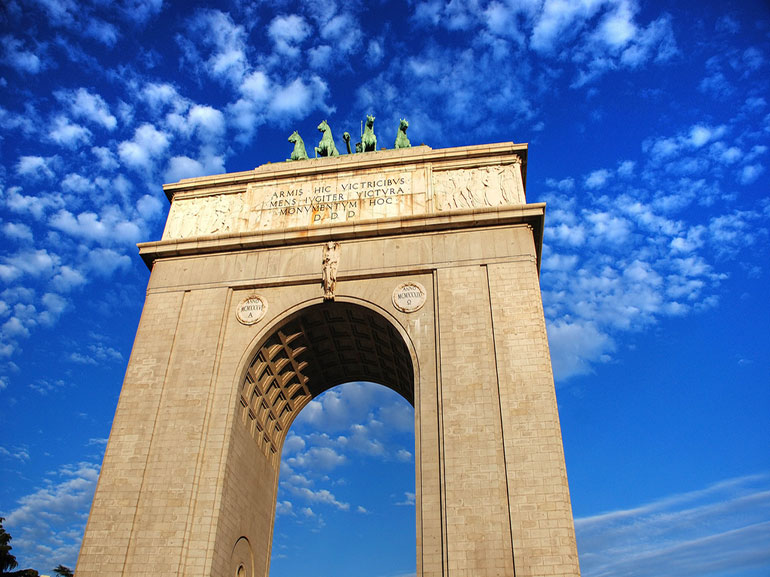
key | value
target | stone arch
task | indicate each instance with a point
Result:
(183, 477)
(312, 349)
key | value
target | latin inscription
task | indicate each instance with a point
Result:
(330, 199)
(409, 297)
(338, 201)
(251, 310)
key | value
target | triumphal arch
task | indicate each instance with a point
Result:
(414, 268)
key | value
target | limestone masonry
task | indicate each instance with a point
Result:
(413, 268)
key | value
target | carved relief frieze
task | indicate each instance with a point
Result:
(203, 216)
(366, 195)
(478, 187)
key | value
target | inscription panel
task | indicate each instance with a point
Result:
(251, 310)
(342, 198)
(314, 202)
(409, 297)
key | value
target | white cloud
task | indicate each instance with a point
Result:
(37, 166)
(338, 407)
(18, 58)
(576, 346)
(662, 149)
(323, 496)
(35, 263)
(147, 145)
(609, 227)
(597, 179)
(96, 354)
(341, 31)
(45, 386)
(730, 155)
(666, 149)
(320, 458)
(68, 134)
(67, 279)
(180, 167)
(287, 33)
(76, 183)
(563, 184)
(655, 42)
(109, 227)
(321, 57)
(717, 85)
(403, 455)
(163, 96)
(409, 500)
(48, 523)
(217, 45)
(702, 533)
(750, 173)
(84, 104)
(399, 415)
(375, 52)
(102, 31)
(18, 231)
(692, 241)
(208, 122)
(637, 261)
(55, 305)
(284, 508)
(570, 234)
(246, 116)
(140, 11)
(626, 168)
(428, 12)
(700, 134)
(617, 27)
(256, 86)
(106, 157)
(14, 328)
(560, 21)
(149, 207)
(363, 441)
(298, 97)
(60, 12)
(293, 444)
(18, 453)
(105, 261)
(9, 273)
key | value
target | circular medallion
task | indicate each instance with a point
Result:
(408, 297)
(251, 309)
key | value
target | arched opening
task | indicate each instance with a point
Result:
(306, 354)
(347, 487)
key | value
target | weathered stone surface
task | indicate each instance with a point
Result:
(423, 183)
(478, 187)
(189, 481)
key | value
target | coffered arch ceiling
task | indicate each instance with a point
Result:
(322, 346)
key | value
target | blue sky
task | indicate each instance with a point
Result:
(648, 125)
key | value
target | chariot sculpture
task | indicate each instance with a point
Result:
(327, 148)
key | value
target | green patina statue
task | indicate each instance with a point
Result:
(401, 140)
(326, 147)
(299, 152)
(369, 140)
